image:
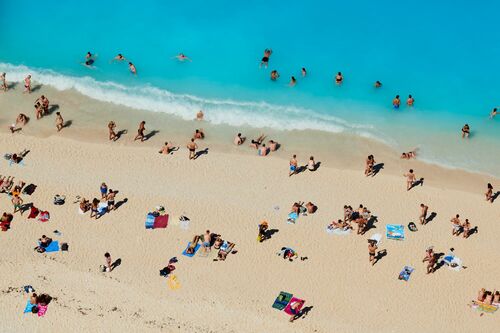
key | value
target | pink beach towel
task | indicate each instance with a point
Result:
(293, 301)
(161, 221)
(42, 309)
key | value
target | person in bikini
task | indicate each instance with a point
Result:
(489, 193)
(410, 179)
(256, 143)
(44, 101)
(263, 150)
(465, 131)
(27, 84)
(132, 68)
(111, 130)
(409, 155)
(192, 146)
(4, 85)
(59, 121)
(140, 131)
(423, 214)
(192, 246)
(372, 249)
(369, 163)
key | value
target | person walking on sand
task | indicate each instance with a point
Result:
(489, 193)
(4, 85)
(59, 121)
(192, 146)
(17, 202)
(293, 166)
(456, 224)
(410, 101)
(465, 131)
(111, 200)
(372, 249)
(132, 68)
(369, 163)
(140, 131)
(108, 265)
(430, 257)
(27, 84)
(396, 102)
(410, 179)
(112, 133)
(423, 214)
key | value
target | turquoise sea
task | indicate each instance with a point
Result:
(445, 53)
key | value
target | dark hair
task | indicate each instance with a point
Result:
(130, 63)
(294, 156)
(58, 113)
(409, 96)
(490, 186)
(458, 215)
(411, 170)
(34, 309)
(239, 134)
(339, 73)
(397, 96)
(107, 255)
(192, 139)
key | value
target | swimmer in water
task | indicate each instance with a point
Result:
(396, 102)
(89, 59)
(182, 57)
(199, 115)
(5, 87)
(410, 100)
(274, 75)
(265, 59)
(378, 84)
(293, 81)
(465, 131)
(119, 57)
(409, 155)
(132, 68)
(304, 72)
(339, 78)
(492, 114)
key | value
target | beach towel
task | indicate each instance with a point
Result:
(485, 307)
(44, 216)
(160, 221)
(28, 307)
(282, 300)
(191, 254)
(42, 310)
(376, 237)
(150, 221)
(338, 231)
(292, 217)
(453, 262)
(173, 282)
(405, 273)
(29, 189)
(293, 301)
(395, 231)
(184, 222)
(53, 246)
(102, 208)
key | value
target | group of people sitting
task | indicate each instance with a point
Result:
(209, 240)
(43, 243)
(7, 185)
(361, 217)
(489, 297)
(5, 221)
(98, 207)
(16, 158)
(39, 302)
(301, 208)
(258, 144)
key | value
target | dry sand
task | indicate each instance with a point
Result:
(229, 191)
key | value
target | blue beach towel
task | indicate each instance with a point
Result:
(395, 231)
(292, 217)
(28, 307)
(405, 273)
(53, 246)
(150, 221)
(191, 254)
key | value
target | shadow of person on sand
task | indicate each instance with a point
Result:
(376, 169)
(36, 87)
(67, 124)
(150, 135)
(380, 255)
(431, 217)
(200, 153)
(120, 133)
(117, 263)
(51, 109)
(416, 183)
(495, 196)
(120, 203)
(304, 312)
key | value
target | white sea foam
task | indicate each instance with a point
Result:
(230, 112)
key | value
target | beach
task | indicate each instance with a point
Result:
(229, 191)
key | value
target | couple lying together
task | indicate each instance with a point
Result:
(211, 239)
(300, 208)
(360, 217)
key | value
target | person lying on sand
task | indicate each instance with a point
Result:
(273, 145)
(94, 208)
(6, 184)
(45, 241)
(297, 206)
(347, 213)
(222, 254)
(199, 134)
(21, 119)
(167, 148)
(17, 202)
(430, 257)
(207, 241)
(294, 309)
(311, 208)
(343, 225)
(256, 143)
(238, 139)
(84, 205)
(192, 246)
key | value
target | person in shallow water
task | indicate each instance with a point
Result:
(89, 59)
(293, 81)
(265, 59)
(410, 100)
(132, 68)
(396, 102)
(465, 131)
(339, 78)
(274, 75)
(304, 72)
(378, 84)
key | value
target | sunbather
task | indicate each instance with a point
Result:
(262, 231)
(311, 208)
(296, 208)
(295, 309)
(256, 143)
(84, 205)
(347, 213)
(430, 257)
(457, 226)
(207, 239)
(18, 203)
(192, 246)
(45, 241)
(273, 145)
(226, 248)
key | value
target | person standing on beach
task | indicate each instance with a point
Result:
(44, 101)
(17, 202)
(423, 213)
(108, 266)
(396, 102)
(265, 59)
(457, 225)
(27, 84)
(492, 114)
(410, 179)
(140, 131)
(430, 257)
(132, 68)
(5, 87)
(465, 131)
(104, 190)
(339, 79)
(111, 200)
(111, 129)
(410, 101)
(466, 228)
(489, 193)
(192, 146)
(238, 140)
(293, 166)
(59, 121)
(369, 163)
(372, 249)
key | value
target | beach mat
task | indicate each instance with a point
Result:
(486, 307)
(28, 307)
(454, 263)
(173, 282)
(150, 221)
(42, 310)
(376, 237)
(53, 247)
(395, 231)
(160, 221)
(338, 231)
(292, 217)
(282, 300)
(288, 308)
(191, 254)
(405, 273)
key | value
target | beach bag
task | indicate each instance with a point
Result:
(64, 247)
(59, 200)
(44, 216)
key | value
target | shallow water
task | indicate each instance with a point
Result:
(445, 54)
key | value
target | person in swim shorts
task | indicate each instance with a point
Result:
(265, 59)
(293, 166)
